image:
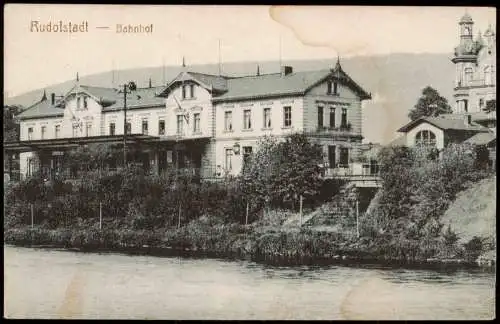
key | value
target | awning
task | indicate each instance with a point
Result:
(482, 139)
(67, 143)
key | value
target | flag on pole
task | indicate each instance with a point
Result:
(184, 113)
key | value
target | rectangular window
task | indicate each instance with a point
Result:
(344, 156)
(145, 126)
(29, 162)
(191, 90)
(129, 127)
(331, 156)
(30, 133)
(88, 129)
(335, 89)
(180, 124)
(228, 121)
(112, 129)
(85, 105)
(247, 122)
(57, 131)
(287, 116)
(320, 117)
(332, 117)
(75, 130)
(343, 121)
(43, 131)
(229, 157)
(247, 152)
(466, 105)
(329, 89)
(196, 124)
(78, 103)
(481, 103)
(183, 92)
(267, 117)
(161, 127)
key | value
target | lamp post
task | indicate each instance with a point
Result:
(131, 86)
(124, 125)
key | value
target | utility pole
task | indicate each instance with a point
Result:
(357, 217)
(124, 125)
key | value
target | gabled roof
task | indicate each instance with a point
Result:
(140, 98)
(268, 85)
(41, 109)
(111, 99)
(295, 83)
(482, 139)
(210, 82)
(265, 85)
(444, 124)
(101, 93)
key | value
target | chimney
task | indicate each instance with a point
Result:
(467, 119)
(53, 98)
(286, 70)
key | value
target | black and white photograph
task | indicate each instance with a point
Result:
(249, 162)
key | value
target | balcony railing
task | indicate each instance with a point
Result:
(353, 169)
(473, 83)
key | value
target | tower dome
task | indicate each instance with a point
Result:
(466, 19)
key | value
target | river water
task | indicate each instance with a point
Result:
(42, 283)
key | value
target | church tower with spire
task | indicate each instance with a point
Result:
(475, 62)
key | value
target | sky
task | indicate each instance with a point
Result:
(246, 33)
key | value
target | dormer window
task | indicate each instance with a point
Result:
(78, 103)
(332, 88)
(85, 104)
(188, 91)
(191, 90)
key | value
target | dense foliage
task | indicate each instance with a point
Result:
(430, 104)
(10, 126)
(282, 171)
(417, 189)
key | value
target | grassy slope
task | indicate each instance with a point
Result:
(474, 212)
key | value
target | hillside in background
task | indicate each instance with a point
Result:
(395, 82)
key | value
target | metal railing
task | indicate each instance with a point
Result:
(353, 169)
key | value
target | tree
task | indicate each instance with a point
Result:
(491, 105)
(281, 172)
(430, 104)
(10, 125)
(299, 172)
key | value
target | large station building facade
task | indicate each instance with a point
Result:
(205, 124)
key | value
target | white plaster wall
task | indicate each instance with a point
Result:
(410, 136)
(37, 124)
(257, 117)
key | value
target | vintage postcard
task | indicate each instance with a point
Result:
(249, 162)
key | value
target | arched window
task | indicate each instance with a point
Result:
(425, 137)
(468, 75)
(487, 75)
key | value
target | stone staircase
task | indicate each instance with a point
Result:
(336, 213)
